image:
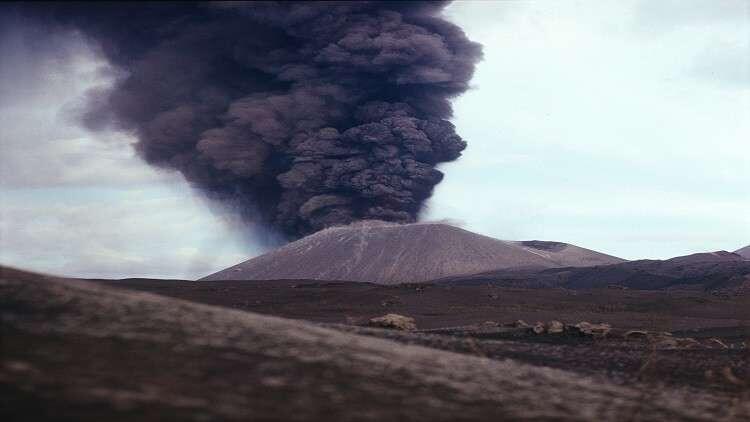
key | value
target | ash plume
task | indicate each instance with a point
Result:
(302, 114)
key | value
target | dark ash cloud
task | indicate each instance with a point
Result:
(302, 115)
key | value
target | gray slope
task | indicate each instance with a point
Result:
(83, 352)
(744, 252)
(389, 254)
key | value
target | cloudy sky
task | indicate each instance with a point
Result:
(621, 126)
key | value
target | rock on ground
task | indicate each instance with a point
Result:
(394, 321)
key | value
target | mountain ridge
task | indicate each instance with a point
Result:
(710, 271)
(744, 252)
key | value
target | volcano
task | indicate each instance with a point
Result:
(387, 253)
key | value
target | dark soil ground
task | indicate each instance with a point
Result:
(442, 305)
(451, 317)
(80, 351)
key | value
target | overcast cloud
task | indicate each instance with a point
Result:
(621, 126)
(76, 203)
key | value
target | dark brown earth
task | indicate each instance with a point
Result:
(76, 350)
(451, 305)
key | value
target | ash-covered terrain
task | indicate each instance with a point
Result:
(379, 252)
(744, 252)
(78, 350)
(539, 337)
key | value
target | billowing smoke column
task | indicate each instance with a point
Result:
(306, 115)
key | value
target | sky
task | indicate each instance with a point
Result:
(620, 126)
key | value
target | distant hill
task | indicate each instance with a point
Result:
(744, 252)
(711, 271)
(718, 256)
(388, 254)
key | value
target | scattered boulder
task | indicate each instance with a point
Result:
(552, 327)
(555, 327)
(583, 328)
(658, 340)
(636, 335)
(588, 329)
(394, 322)
(675, 343)
(666, 341)
(520, 324)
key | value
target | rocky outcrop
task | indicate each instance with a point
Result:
(588, 329)
(554, 327)
(393, 321)
(669, 342)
